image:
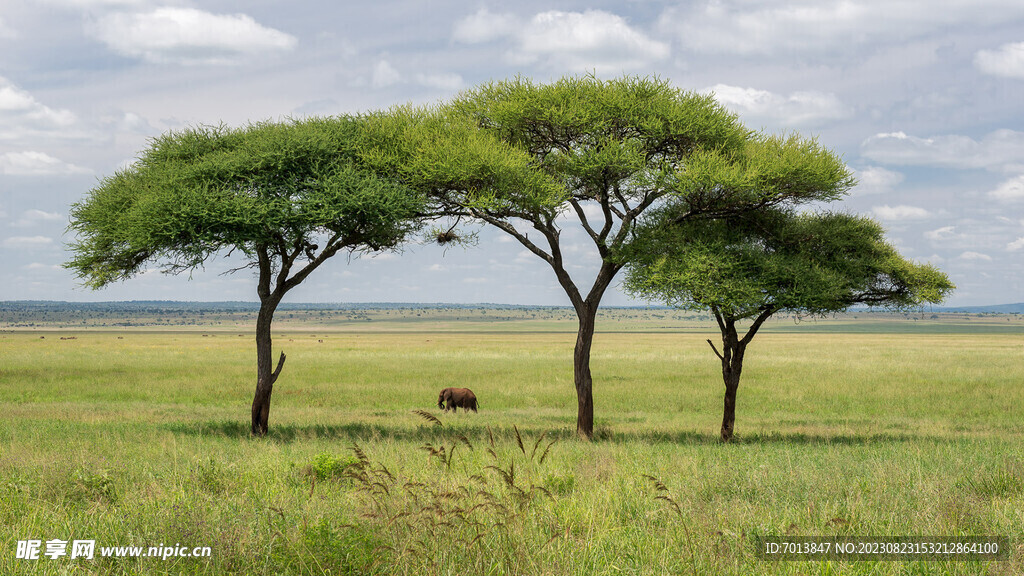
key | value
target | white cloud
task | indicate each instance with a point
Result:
(384, 75)
(448, 82)
(581, 250)
(94, 3)
(1017, 244)
(876, 180)
(41, 266)
(933, 259)
(1000, 150)
(1008, 61)
(900, 212)
(129, 122)
(524, 257)
(27, 242)
(1012, 189)
(944, 233)
(485, 26)
(21, 115)
(765, 27)
(189, 36)
(577, 41)
(798, 108)
(975, 256)
(32, 217)
(587, 40)
(13, 99)
(742, 28)
(32, 163)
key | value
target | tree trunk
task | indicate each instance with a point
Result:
(731, 375)
(581, 373)
(586, 308)
(732, 365)
(265, 375)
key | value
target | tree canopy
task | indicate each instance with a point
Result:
(778, 261)
(614, 148)
(286, 196)
(765, 172)
(752, 266)
(294, 191)
(597, 155)
(446, 156)
(618, 148)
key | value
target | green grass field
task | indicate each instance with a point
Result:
(872, 426)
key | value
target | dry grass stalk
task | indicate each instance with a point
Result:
(416, 517)
(519, 439)
(428, 417)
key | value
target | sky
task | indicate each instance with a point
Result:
(923, 101)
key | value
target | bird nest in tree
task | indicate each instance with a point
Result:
(446, 237)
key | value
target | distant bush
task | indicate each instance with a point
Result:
(328, 466)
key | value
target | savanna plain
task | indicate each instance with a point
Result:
(131, 428)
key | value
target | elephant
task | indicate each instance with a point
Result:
(457, 398)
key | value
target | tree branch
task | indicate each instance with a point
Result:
(511, 231)
(287, 261)
(263, 284)
(583, 220)
(717, 353)
(334, 244)
(277, 371)
(629, 217)
(608, 220)
(602, 281)
(718, 317)
(764, 315)
(239, 268)
(550, 233)
(622, 200)
(547, 228)
(650, 197)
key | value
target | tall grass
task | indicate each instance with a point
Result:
(132, 438)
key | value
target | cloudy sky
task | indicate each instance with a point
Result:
(923, 100)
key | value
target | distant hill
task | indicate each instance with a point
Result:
(150, 305)
(164, 305)
(1017, 308)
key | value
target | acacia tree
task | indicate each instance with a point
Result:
(618, 148)
(286, 196)
(750, 267)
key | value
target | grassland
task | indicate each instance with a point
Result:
(871, 426)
